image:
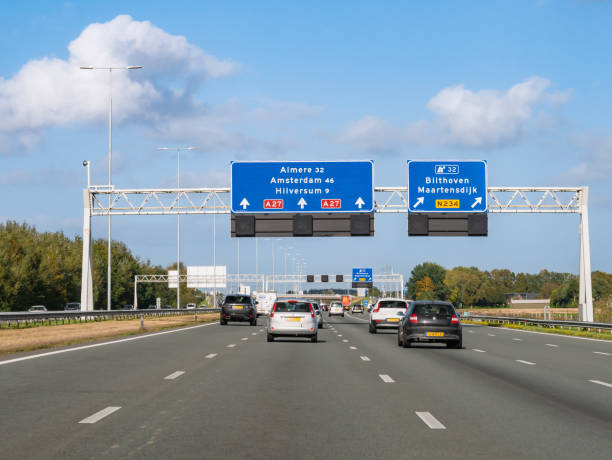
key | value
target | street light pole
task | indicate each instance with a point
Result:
(110, 164)
(178, 219)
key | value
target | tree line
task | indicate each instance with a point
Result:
(469, 286)
(45, 269)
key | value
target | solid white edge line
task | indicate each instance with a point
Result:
(100, 414)
(430, 421)
(529, 363)
(478, 350)
(599, 382)
(95, 345)
(550, 333)
(364, 358)
(211, 355)
(174, 375)
(385, 378)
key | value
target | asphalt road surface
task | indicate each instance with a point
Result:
(224, 392)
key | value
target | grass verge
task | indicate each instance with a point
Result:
(551, 330)
(29, 339)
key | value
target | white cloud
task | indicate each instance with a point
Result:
(49, 92)
(462, 118)
(595, 159)
(487, 118)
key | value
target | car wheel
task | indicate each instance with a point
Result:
(458, 344)
(223, 322)
(343, 315)
(399, 340)
(406, 343)
(270, 338)
(314, 338)
(372, 328)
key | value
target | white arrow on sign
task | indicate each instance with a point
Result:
(477, 201)
(359, 202)
(244, 203)
(302, 203)
(419, 201)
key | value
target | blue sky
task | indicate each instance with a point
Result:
(521, 84)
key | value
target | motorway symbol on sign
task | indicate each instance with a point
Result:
(362, 275)
(447, 186)
(302, 186)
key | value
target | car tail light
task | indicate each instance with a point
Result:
(311, 310)
(413, 318)
(454, 319)
(272, 311)
(376, 309)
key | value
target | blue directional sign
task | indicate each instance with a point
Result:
(302, 187)
(447, 186)
(361, 275)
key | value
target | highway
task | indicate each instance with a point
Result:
(224, 392)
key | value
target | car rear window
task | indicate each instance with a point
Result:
(237, 299)
(392, 304)
(336, 304)
(292, 307)
(434, 309)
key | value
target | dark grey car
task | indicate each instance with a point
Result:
(238, 307)
(430, 321)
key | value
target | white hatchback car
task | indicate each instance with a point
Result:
(292, 318)
(336, 308)
(387, 314)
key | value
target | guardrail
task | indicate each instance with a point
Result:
(35, 317)
(540, 322)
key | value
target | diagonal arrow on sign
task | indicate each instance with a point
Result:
(420, 200)
(302, 203)
(477, 201)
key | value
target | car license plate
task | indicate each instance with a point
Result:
(294, 319)
(237, 307)
(393, 320)
(435, 334)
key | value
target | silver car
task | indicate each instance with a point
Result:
(292, 318)
(318, 313)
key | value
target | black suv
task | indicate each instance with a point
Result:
(430, 321)
(238, 307)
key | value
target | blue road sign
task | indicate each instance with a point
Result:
(366, 302)
(361, 275)
(447, 186)
(302, 186)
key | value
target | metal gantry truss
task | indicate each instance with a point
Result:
(207, 200)
(388, 281)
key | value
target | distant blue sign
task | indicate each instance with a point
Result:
(361, 275)
(447, 186)
(302, 187)
(366, 302)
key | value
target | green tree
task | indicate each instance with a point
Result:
(435, 272)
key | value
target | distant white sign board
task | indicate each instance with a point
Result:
(172, 279)
(207, 277)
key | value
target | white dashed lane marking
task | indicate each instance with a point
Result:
(552, 345)
(344, 340)
(478, 350)
(471, 332)
(231, 345)
(174, 375)
(431, 421)
(517, 340)
(364, 358)
(599, 382)
(353, 348)
(212, 355)
(529, 363)
(385, 378)
(101, 414)
(253, 333)
(491, 335)
(245, 338)
(601, 353)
